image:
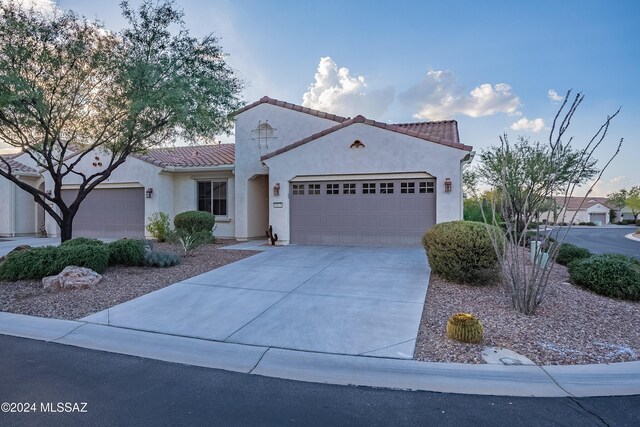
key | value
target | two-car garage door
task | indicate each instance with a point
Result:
(375, 212)
(109, 213)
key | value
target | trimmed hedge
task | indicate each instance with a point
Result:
(612, 275)
(194, 221)
(568, 253)
(462, 251)
(127, 252)
(82, 241)
(36, 263)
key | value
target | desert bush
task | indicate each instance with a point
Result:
(189, 241)
(194, 221)
(159, 226)
(568, 252)
(462, 251)
(161, 259)
(587, 223)
(82, 241)
(127, 252)
(612, 275)
(36, 263)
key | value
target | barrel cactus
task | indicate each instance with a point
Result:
(465, 327)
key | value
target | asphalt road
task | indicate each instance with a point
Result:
(601, 240)
(125, 390)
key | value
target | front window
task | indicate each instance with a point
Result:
(212, 197)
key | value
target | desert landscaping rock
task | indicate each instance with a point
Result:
(72, 277)
(119, 284)
(16, 249)
(573, 326)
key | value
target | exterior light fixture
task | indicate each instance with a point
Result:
(447, 185)
(276, 189)
(149, 192)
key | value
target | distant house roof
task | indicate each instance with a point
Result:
(290, 106)
(190, 156)
(15, 165)
(444, 133)
(573, 203)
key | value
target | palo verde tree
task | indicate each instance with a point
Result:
(627, 198)
(70, 88)
(534, 177)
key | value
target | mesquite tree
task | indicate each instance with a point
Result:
(69, 87)
(531, 178)
(627, 198)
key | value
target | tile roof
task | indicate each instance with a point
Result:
(444, 130)
(191, 156)
(444, 133)
(574, 203)
(294, 107)
(15, 165)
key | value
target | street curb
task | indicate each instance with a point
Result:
(630, 236)
(615, 379)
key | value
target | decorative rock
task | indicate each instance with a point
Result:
(504, 356)
(14, 250)
(72, 277)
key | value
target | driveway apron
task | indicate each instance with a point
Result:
(342, 300)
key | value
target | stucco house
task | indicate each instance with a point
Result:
(579, 209)
(315, 177)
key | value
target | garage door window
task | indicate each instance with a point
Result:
(426, 187)
(369, 188)
(212, 197)
(314, 189)
(408, 187)
(333, 188)
(349, 188)
(298, 189)
(386, 188)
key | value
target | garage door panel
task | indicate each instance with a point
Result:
(109, 213)
(379, 218)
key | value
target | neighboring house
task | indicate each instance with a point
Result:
(315, 177)
(579, 209)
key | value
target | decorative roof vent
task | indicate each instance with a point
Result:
(263, 133)
(357, 144)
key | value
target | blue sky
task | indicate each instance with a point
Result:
(488, 64)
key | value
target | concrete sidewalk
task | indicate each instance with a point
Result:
(537, 381)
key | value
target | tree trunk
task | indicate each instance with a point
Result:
(66, 228)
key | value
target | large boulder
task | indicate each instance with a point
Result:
(14, 250)
(72, 277)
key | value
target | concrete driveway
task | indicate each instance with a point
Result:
(344, 300)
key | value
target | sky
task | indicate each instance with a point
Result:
(494, 66)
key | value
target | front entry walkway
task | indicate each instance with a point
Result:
(342, 300)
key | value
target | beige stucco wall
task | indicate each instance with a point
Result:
(185, 197)
(384, 152)
(290, 126)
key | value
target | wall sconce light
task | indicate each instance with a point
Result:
(149, 192)
(48, 193)
(276, 189)
(447, 185)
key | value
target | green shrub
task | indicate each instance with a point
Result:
(568, 252)
(473, 212)
(638, 222)
(82, 241)
(194, 221)
(126, 252)
(161, 259)
(36, 263)
(462, 251)
(587, 223)
(159, 226)
(612, 275)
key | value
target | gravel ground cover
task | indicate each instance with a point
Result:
(119, 284)
(572, 326)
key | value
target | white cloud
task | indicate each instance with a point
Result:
(553, 95)
(438, 96)
(45, 6)
(535, 125)
(337, 91)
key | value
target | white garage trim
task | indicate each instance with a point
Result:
(362, 177)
